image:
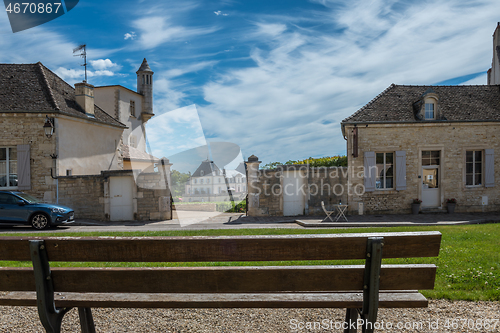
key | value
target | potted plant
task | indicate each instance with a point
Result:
(415, 206)
(451, 204)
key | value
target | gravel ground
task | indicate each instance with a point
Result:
(432, 319)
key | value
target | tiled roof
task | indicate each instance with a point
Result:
(456, 103)
(206, 168)
(134, 154)
(35, 88)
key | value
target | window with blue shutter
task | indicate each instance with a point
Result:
(400, 170)
(489, 168)
(23, 167)
(370, 171)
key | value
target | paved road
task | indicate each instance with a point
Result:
(213, 220)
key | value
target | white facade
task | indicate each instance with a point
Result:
(116, 101)
(82, 154)
(133, 109)
(216, 184)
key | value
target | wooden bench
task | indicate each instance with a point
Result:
(362, 289)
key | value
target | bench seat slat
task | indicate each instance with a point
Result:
(221, 278)
(223, 248)
(409, 299)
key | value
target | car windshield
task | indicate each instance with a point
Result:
(28, 197)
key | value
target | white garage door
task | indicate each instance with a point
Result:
(121, 206)
(293, 193)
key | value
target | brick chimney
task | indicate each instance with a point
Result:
(84, 95)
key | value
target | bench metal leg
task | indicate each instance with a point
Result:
(86, 320)
(351, 319)
(50, 316)
(371, 283)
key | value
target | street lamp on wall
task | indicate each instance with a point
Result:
(48, 127)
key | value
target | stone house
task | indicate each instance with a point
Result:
(431, 143)
(210, 183)
(86, 140)
(133, 109)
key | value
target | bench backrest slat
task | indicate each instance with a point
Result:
(223, 248)
(221, 279)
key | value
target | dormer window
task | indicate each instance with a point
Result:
(429, 111)
(427, 108)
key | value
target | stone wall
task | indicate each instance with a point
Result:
(85, 195)
(89, 195)
(453, 139)
(153, 197)
(27, 129)
(266, 192)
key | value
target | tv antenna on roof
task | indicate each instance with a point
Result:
(83, 54)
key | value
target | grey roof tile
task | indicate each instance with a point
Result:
(456, 103)
(35, 88)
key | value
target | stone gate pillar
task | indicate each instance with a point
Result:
(252, 185)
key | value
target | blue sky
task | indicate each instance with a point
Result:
(274, 77)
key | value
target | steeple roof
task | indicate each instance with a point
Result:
(144, 67)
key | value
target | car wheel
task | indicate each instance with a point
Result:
(40, 221)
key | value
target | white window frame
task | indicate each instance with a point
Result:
(433, 111)
(383, 181)
(474, 168)
(7, 169)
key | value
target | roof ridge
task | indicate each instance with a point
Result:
(371, 102)
(51, 94)
(71, 87)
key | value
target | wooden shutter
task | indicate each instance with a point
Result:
(370, 171)
(400, 170)
(489, 168)
(23, 167)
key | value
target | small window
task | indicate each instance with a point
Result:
(8, 167)
(202, 173)
(195, 181)
(474, 168)
(385, 171)
(430, 157)
(132, 108)
(69, 172)
(133, 141)
(429, 111)
(201, 181)
(208, 181)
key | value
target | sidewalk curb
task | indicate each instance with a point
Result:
(387, 224)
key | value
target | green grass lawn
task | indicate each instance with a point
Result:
(468, 263)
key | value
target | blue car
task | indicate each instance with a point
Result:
(21, 208)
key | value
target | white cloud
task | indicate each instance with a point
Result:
(103, 64)
(220, 13)
(130, 35)
(304, 82)
(73, 76)
(478, 80)
(175, 131)
(273, 29)
(181, 70)
(157, 30)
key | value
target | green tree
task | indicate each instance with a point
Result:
(178, 180)
(329, 161)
